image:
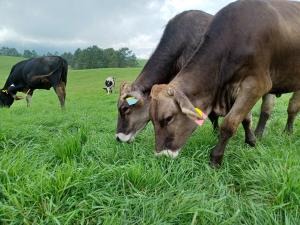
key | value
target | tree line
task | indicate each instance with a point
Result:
(14, 52)
(88, 58)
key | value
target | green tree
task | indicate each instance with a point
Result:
(9, 51)
(68, 56)
(30, 54)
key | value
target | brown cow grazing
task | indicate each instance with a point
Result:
(251, 48)
(181, 37)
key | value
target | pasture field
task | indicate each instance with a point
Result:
(65, 167)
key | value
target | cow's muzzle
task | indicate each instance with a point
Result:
(121, 137)
(169, 153)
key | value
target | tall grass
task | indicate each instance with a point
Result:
(66, 167)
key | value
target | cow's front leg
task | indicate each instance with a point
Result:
(250, 92)
(29, 97)
(293, 109)
(267, 105)
(249, 135)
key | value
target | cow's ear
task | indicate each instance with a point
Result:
(156, 89)
(125, 87)
(186, 106)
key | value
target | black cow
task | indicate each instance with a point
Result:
(36, 73)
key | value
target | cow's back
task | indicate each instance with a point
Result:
(181, 37)
(256, 33)
(42, 65)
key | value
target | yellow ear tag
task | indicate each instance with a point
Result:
(5, 91)
(202, 115)
(199, 112)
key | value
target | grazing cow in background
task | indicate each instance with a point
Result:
(109, 85)
(35, 73)
(251, 48)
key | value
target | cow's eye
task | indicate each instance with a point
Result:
(125, 110)
(169, 120)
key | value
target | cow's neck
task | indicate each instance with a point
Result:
(160, 69)
(199, 82)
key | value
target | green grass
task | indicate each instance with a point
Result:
(66, 168)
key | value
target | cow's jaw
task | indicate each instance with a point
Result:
(168, 153)
(125, 137)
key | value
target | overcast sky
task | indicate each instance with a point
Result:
(64, 25)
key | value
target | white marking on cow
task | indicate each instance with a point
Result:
(124, 137)
(109, 87)
(168, 153)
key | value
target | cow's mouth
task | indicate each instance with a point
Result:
(169, 153)
(121, 137)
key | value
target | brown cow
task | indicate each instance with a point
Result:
(251, 48)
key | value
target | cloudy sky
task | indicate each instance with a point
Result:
(64, 25)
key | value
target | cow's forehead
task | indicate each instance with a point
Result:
(164, 105)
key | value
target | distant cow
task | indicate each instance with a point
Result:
(109, 85)
(36, 73)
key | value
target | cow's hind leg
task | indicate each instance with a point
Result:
(249, 135)
(267, 106)
(60, 90)
(29, 97)
(293, 109)
(250, 91)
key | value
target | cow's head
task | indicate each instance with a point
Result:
(174, 118)
(6, 100)
(133, 107)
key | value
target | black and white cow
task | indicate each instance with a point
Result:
(35, 73)
(109, 84)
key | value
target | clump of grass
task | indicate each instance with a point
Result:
(69, 146)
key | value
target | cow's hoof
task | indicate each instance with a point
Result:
(251, 141)
(288, 131)
(216, 161)
(259, 133)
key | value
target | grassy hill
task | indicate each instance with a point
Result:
(66, 167)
